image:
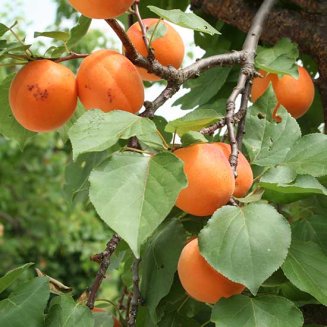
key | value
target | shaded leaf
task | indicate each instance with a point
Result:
(306, 268)
(12, 275)
(268, 310)
(25, 305)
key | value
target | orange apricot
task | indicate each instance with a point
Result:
(168, 49)
(201, 281)
(101, 9)
(244, 179)
(107, 80)
(43, 95)
(296, 95)
(211, 181)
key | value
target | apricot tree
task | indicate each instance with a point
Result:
(226, 227)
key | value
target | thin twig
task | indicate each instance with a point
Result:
(104, 258)
(136, 298)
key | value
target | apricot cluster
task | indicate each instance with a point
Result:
(43, 95)
(211, 181)
(295, 95)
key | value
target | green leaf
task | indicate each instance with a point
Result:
(280, 59)
(78, 31)
(65, 312)
(3, 29)
(255, 236)
(302, 186)
(12, 275)
(311, 229)
(268, 311)
(156, 31)
(133, 193)
(160, 263)
(96, 131)
(57, 35)
(190, 138)
(203, 88)
(187, 20)
(193, 121)
(103, 319)
(77, 173)
(306, 268)
(9, 126)
(26, 304)
(266, 141)
(309, 155)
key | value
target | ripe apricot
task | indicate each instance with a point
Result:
(244, 179)
(168, 49)
(101, 9)
(211, 181)
(107, 80)
(200, 280)
(296, 95)
(43, 95)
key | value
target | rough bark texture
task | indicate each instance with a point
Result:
(305, 23)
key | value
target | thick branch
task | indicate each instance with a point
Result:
(104, 259)
(308, 29)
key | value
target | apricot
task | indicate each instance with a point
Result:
(201, 281)
(244, 179)
(211, 181)
(101, 9)
(295, 95)
(43, 95)
(107, 80)
(168, 49)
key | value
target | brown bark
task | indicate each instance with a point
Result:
(306, 25)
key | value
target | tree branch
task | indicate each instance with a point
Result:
(136, 299)
(104, 259)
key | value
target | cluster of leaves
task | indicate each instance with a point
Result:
(274, 242)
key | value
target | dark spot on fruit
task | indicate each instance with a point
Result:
(39, 94)
(110, 96)
(30, 87)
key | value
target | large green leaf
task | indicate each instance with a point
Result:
(246, 244)
(203, 88)
(281, 186)
(12, 275)
(193, 121)
(187, 20)
(306, 268)
(103, 319)
(96, 131)
(261, 311)
(65, 312)
(311, 229)
(26, 304)
(133, 193)
(309, 155)
(160, 263)
(266, 141)
(8, 124)
(280, 59)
